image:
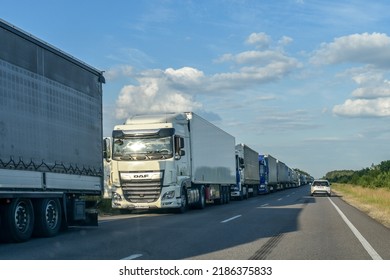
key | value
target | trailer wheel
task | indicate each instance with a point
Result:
(228, 198)
(224, 196)
(246, 196)
(18, 220)
(227, 195)
(48, 217)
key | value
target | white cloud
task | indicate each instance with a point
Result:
(371, 83)
(284, 41)
(118, 71)
(154, 94)
(373, 49)
(185, 75)
(261, 40)
(177, 89)
(255, 66)
(371, 92)
(379, 107)
(249, 76)
(372, 96)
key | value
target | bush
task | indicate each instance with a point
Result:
(377, 176)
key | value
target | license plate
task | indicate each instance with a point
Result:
(141, 207)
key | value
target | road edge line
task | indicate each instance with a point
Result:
(370, 250)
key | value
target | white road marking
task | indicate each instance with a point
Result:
(263, 205)
(132, 257)
(232, 218)
(374, 255)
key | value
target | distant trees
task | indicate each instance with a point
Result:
(377, 176)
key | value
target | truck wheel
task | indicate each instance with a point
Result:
(225, 195)
(202, 198)
(18, 220)
(184, 202)
(241, 196)
(48, 217)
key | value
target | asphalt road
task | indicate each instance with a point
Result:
(286, 225)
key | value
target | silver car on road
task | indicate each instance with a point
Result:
(321, 187)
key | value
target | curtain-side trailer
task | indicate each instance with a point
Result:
(51, 165)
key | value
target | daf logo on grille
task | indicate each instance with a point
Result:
(146, 176)
(141, 176)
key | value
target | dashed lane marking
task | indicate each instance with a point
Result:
(230, 219)
(132, 257)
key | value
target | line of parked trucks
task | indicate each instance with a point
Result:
(53, 159)
(180, 161)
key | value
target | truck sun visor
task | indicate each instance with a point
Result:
(163, 132)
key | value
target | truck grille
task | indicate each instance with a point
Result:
(142, 190)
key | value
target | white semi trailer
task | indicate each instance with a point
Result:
(272, 173)
(51, 165)
(169, 161)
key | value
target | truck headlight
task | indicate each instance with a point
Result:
(169, 195)
(116, 196)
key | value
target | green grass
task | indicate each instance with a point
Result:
(373, 201)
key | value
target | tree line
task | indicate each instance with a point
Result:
(376, 176)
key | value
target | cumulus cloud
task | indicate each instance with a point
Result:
(255, 66)
(177, 89)
(371, 92)
(372, 95)
(373, 49)
(261, 40)
(155, 93)
(372, 84)
(379, 107)
(370, 98)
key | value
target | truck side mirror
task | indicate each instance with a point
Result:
(241, 162)
(179, 142)
(107, 149)
(179, 145)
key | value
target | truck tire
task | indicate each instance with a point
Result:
(202, 198)
(184, 201)
(17, 220)
(227, 195)
(48, 217)
(224, 195)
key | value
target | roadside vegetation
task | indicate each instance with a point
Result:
(367, 189)
(104, 207)
(376, 176)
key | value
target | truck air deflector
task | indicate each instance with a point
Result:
(162, 132)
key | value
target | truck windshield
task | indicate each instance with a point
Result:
(142, 148)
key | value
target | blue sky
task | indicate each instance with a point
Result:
(305, 81)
